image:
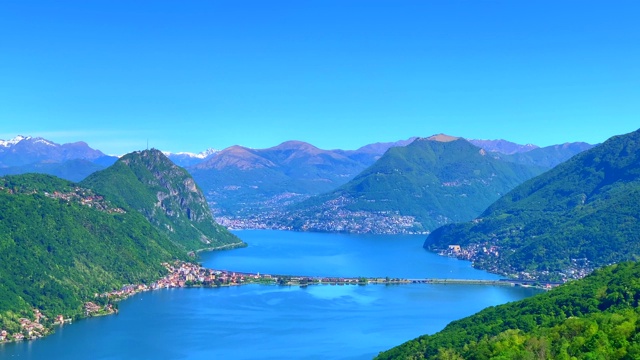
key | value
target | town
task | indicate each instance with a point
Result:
(185, 275)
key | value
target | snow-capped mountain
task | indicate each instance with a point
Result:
(24, 150)
(187, 158)
(72, 161)
(15, 140)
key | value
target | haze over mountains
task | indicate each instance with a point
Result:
(251, 188)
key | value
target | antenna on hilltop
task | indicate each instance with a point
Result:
(147, 144)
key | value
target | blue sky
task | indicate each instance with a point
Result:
(188, 75)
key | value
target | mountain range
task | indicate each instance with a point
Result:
(243, 181)
(502, 146)
(577, 216)
(73, 161)
(250, 188)
(418, 187)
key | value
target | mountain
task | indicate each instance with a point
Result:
(61, 243)
(73, 161)
(593, 318)
(185, 159)
(24, 150)
(502, 146)
(430, 182)
(246, 182)
(529, 154)
(548, 156)
(370, 153)
(148, 182)
(581, 214)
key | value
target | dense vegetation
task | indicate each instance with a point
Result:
(166, 195)
(437, 182)
(582, 214)
(597, 317)
(61, 243)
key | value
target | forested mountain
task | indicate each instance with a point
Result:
(61, 243)
(593, 318)
(166, 195)
(580, 215)
(430, 182)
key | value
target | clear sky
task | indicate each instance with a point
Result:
(189, 75)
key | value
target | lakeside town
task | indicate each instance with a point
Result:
(184, 275)
(486, 256)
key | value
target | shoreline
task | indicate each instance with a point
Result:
(232, 246)
(189, 275)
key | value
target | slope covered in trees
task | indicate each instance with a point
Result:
(580, 215)
(593, 318)
(166, 195)
(61, 243)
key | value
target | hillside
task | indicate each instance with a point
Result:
(61, 243)
(580, 215)
(593, 318)
(148, 182)
(415, 188)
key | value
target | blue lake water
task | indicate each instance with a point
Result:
(273, 322)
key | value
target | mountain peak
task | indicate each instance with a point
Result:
(295, 145)
(201, 155)
(442, 138)
(165, 194)
(15, 140)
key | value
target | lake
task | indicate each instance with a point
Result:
(274, 322)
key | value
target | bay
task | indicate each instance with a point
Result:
(274, 322)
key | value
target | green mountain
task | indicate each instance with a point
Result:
(166, 195)
(593, 318)
(416, 188)
(61, 243)
(579, 215)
